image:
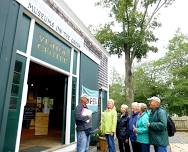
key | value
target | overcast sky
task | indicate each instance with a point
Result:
(172, 18)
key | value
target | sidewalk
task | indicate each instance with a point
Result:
(179, 143)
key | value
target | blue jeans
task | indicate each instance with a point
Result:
(110, 142)
(135, 146)
(160, 148)
(82, 142)
(144, 147)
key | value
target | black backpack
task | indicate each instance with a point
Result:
(170, 127)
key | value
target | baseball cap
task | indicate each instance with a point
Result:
(155, 98)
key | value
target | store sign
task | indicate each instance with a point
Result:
(42, 11)
(93, 98)
(50, 49)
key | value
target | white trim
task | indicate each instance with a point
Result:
(68, 110)
(25, 87)
(74, 75)
(74, 19)
(78, 84)
(62, 28)
(21, 53)
(69, 101)
(91, 55)
(104, 88)
(52, 67)
(108, 70)
(45, 64)
(48, 16)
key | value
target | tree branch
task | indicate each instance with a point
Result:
(144, 16)
(135, 5)
(128, 26)
(157, 8)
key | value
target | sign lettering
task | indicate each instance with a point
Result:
(42, 11)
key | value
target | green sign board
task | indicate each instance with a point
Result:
(50, 49)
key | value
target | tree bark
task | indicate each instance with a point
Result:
(129, 93)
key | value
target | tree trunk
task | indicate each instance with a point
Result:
(129, 93)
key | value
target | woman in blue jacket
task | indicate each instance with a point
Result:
(141, 129)
(132, 124)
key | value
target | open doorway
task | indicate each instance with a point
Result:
(45, 110)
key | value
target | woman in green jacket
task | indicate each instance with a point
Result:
(141, 129)
(108, 124)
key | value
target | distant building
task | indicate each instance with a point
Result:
(48, 58)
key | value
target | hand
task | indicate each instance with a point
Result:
(89, 116)
(126, 140)
(111, 133)
(135, 130)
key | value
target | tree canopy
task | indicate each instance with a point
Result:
(166, 77)
(136, 19)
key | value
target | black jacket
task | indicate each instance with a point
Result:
(122, 131)
(81, 123)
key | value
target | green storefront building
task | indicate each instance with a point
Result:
(48, 58)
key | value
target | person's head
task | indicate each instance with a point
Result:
(134, 107)
(84, 99)
(110, 104)
(124, 108)
(142, 107)
(154, 102)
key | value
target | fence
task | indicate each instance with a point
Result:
(181, 123)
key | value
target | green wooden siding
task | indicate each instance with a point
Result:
(75, 62)
(88, 73)
(104, 100)
(15, 103)
(64, 111)
(89, 79)
(9, 11)
(24, 32)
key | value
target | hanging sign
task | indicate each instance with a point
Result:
(93, 98)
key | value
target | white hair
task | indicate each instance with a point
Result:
(134, 104)
(143, 107)
(124, 106)
(111, 100)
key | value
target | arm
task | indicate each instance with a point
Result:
(144, 127)
(162, 123)
(78, 114)
(127, 129)
(114, 121)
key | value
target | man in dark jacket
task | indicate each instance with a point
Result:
(158, 126)
(83, 118)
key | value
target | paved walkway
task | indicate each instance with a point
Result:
(179, 143)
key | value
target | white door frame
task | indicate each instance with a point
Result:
(70, 74)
